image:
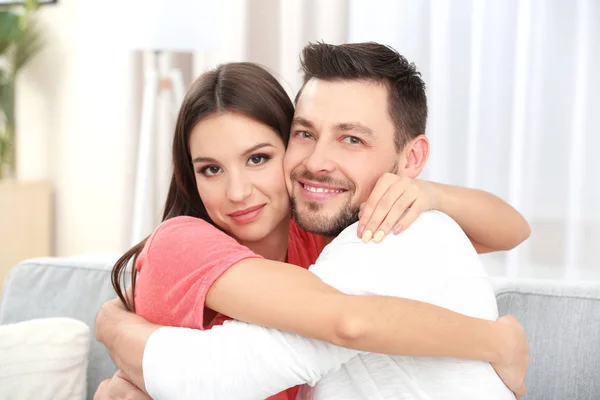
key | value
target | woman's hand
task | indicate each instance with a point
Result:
(512, 366)
(393, 205)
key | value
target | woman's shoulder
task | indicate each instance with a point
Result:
(184, 230)
(188, 240)
(185, 221)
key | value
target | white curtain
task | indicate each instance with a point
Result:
(514, 97)
(273, 32)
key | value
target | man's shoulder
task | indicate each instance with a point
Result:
(433, 222)
(433, 244)
(430, 231)
(348, 235)
(427, 224)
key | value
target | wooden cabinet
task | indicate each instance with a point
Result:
(25, 222)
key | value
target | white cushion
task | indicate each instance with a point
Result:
(44, 359)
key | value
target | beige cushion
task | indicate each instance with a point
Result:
(44, 359)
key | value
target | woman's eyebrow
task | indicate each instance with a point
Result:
(256, 147)
(244, 154)
(203, 160)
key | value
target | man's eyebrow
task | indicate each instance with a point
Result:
(354, 127)
(244, 154)
(303, 122)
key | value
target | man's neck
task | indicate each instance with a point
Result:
(274, 245)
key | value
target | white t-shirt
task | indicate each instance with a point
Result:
(433, 261)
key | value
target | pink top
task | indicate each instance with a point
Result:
(184, 256)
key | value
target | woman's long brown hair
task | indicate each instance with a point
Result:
(239, 87)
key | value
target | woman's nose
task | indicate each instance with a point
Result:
(239, 188)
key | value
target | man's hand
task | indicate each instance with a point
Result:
(119, 388)
(125, 335)
(514, 356)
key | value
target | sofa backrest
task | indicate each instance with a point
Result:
(62, 287)
(562, 322)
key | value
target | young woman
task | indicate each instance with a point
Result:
(228, 247)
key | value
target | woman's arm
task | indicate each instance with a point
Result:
(395, 203)
(285, 297)
(490, 222)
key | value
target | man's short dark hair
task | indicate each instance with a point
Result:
(377, 63)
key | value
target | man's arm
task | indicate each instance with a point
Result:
(248, 360)
(237, 360)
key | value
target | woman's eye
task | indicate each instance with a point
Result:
(352, 140)
(210, 170)
(304, 134)
(258, 159)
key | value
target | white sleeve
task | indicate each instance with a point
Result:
(234, 361)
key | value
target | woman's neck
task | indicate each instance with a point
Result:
(274, 245)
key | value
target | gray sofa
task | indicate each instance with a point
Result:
(562, 320)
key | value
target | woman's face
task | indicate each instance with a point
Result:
(238, 164)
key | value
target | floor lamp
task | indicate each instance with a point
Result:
(162, 28)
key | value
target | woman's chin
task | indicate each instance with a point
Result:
(250, 234)
(259, 229)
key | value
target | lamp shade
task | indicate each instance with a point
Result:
(172, 25)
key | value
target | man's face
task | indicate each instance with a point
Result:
(342, 141)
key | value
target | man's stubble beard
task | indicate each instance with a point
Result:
(311, 222)
(331, 227)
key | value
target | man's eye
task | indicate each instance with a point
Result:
(352, 140)
(210, 170)
(258, 159)
(304, 134)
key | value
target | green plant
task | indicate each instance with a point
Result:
(20, 40)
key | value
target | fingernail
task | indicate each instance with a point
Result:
(398, 229)
(367, 236)
(361, 228)
(379, 236)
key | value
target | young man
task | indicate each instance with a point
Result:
(361, 114)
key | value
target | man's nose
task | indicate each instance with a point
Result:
(320, 160)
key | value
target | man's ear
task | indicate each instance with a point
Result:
(415, 155)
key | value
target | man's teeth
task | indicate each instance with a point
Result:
(322, 190)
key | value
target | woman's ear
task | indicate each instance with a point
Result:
(415, 155)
